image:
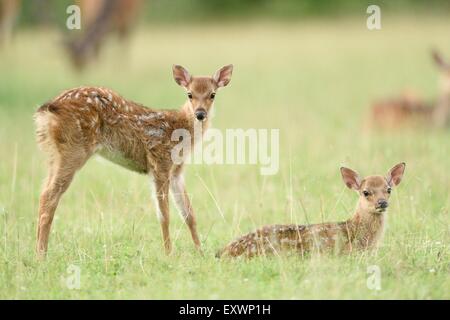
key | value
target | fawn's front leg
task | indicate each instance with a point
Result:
(161, 195)
(183, 203)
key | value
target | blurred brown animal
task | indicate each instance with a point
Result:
(9, 11)
(100, 18)
(408, 109)
(363, 231)
(85, 121)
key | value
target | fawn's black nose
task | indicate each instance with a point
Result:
(200, 114)
(382, 204)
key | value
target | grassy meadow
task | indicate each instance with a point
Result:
(314, 81)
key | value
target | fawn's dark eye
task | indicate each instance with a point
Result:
(366, 193)
(212, 96)
(389, 190)
(189, 95)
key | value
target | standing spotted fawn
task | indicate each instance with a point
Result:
(85, 121)
(363, 231)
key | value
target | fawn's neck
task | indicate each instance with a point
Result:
(367, 228)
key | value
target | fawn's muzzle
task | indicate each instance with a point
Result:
(382, 204)
(201, 114)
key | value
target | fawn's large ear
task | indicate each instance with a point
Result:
(181, 75)
(351, 178)
(223, 75)
(394, 176)
(439, 60)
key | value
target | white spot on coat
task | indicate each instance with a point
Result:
(154, 132)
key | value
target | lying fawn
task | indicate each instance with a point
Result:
(363, 231)
(409, 109)
(91, 120)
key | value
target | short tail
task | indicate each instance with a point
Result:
(220, 253)
(47, 107)
(44, 119)
(237, 247)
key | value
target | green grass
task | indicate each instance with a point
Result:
(314, 81)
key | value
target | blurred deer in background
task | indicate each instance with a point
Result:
(100, 18)
(409, 109)
(363, 231)
(441, 113)
(9, 11)
(85, 121)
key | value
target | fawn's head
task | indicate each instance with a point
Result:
(444, 68)
(201, 91)
(374, 191)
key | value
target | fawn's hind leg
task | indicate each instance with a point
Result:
(61, 172)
